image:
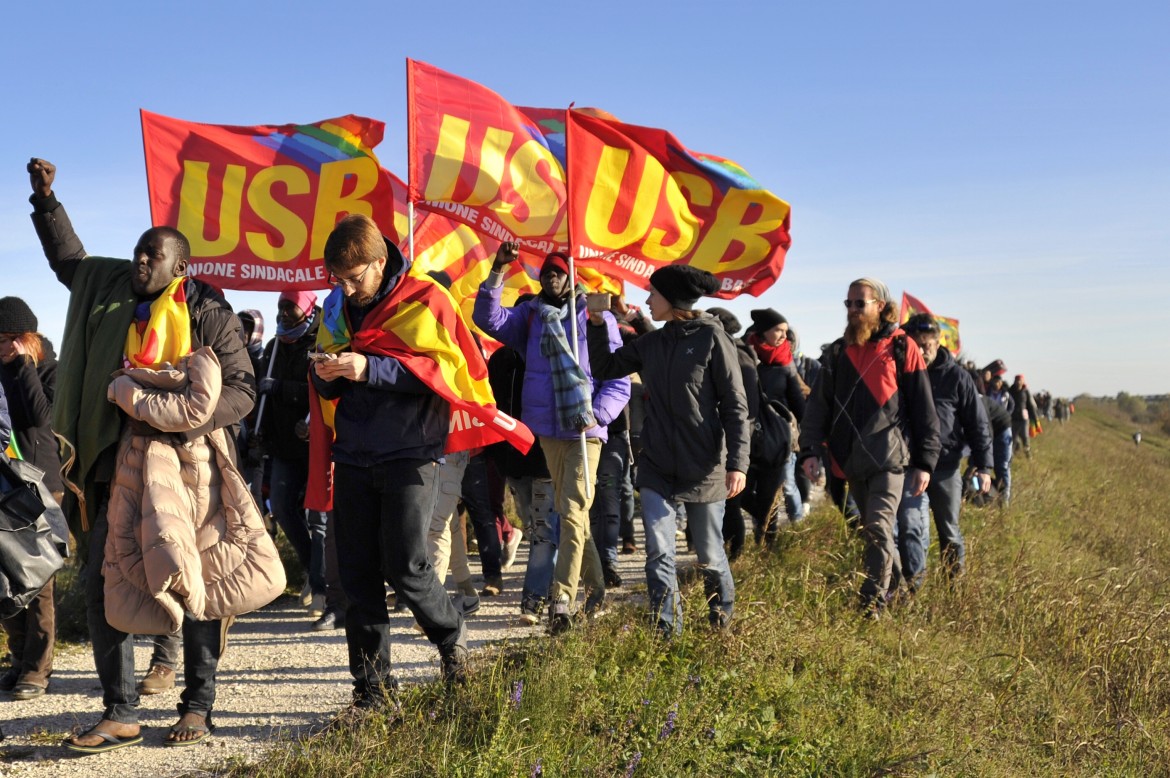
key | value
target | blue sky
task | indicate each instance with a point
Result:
(1006, 162)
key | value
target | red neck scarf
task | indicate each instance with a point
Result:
(771, 355)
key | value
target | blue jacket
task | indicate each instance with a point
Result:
(392, 415)
(520, 328)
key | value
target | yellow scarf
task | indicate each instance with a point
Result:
(164, 337)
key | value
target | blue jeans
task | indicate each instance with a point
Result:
(1001, 445)
(381, 514)
(605, 517)
(113, 650)
(542, 527)
(946, 499)
(305, 530)
(912, 534)
(943, 497)
(706, 524)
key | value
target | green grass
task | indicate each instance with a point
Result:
(1049, 658)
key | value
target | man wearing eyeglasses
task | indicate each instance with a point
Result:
(872, 412)
(962, 421)
(391, 431)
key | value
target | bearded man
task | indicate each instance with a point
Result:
(871, 410)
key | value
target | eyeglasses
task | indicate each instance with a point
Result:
(352, 283)
(858, 304)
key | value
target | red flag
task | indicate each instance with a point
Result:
(257, 203)
(478, 159)
(910, 306)
(640, 200)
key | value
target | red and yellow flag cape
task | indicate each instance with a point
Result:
(420, 325)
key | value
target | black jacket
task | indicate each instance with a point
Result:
(696, 426)
(29, 389)
(873, 414)
(962, 419)
(393, 415)
(288, 401)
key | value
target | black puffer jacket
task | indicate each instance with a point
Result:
(696, 426)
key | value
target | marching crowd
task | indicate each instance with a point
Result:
(185, 430)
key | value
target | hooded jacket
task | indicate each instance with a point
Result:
(288, 402)
(101, 305)
(872, 416)
(696, 425)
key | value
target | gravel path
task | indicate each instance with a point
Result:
(275, 680)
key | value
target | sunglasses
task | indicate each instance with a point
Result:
(858, 304)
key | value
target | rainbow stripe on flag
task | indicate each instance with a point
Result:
(313, 145)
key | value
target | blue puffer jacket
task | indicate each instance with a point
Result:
(520, 328)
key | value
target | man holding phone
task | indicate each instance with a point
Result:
(560, 401)
(391, 431)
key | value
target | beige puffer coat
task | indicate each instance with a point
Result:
(185, 535)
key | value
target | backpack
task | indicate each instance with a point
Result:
(774, 433)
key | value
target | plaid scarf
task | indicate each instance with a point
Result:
(570, 385)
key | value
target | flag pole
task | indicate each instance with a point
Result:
(573, 304)
(410, 229)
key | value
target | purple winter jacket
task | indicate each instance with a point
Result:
(520, 328)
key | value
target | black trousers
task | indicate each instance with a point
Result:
(380, 516)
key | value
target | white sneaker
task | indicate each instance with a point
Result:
(508, 558)
(317, 606)
(306, 594)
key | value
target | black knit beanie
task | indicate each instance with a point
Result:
(764, 319)
(683, 285)
(16, 316)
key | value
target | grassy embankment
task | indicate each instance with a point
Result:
(1049, 658)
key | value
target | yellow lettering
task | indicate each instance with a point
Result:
(729, 228)
(698, 189)
(284, 221)
(451, 154)
(331, 202)
(611, 168)
(685, 222)
(542, 200)
(193, 205)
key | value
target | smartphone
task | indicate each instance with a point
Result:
(597, 302)
(321, 356)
